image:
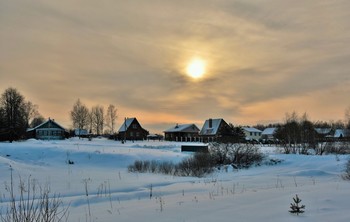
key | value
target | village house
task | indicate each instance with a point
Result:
(49, 130)
(213, 129)
(131, 129)
(341, 134)
(252, 134)
(268, 134)
(183, 132)
(81, 132)
(324, 134)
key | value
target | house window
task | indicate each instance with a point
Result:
(137, 134)
(134, 126)
(131, 133)
(251, 133)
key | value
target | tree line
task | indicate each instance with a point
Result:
(298, 134)
(18, 114)
(95, 119)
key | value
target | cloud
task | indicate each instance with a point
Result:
(134, 53)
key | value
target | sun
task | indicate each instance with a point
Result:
(196, 68)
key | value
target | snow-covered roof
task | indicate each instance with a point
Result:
(213, 130)
(269, 131)
(252, 129)
(338, 133)
(126, 124)
(49, 120)
(323, 131)
(183, 128)
(341, 133)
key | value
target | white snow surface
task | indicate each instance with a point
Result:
(261, 193)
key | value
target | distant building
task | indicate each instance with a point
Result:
(252, 134)
(131, 129)
(81, 132)
(324, 134)
(49, 130)
(183, 132)
(341, 133)
(213, 129)
(268, 134)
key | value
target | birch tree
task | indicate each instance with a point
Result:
(80, 115)
(97, 116)
(111, 117)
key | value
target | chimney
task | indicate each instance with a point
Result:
(210, 123)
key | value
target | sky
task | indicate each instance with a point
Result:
(263, 58)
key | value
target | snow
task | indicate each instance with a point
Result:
(183, 128)
(269, 131)
(252, 129)
(125, 126)
(261, 193)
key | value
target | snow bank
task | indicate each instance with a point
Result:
(257, 194)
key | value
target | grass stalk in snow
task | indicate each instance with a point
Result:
(86, 181)
(32, 205)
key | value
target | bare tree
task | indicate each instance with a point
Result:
(307, 134)
(12, 104)
(37, 121)
(97, 114)
(111, 118)
(290, 132)
(79, 115)
(30, 111)
(292, 129)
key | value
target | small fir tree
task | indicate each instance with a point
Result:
(295, 207)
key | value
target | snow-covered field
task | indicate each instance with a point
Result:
(257, 194)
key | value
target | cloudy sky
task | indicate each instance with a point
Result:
(263, 58)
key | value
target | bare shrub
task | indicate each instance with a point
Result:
(33, 205)
(198, 165)
(166, 168)
(239, 155)
(220, 152)
(140, 166)
(183, 168)
(333, 148)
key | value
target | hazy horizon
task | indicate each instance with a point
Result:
(262, 58)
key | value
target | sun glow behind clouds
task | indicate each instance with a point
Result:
(196, 68)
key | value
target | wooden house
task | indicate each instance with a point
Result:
(131, 129)
(49, 130)
(252, 134)
(183, 132)
(213, 129)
